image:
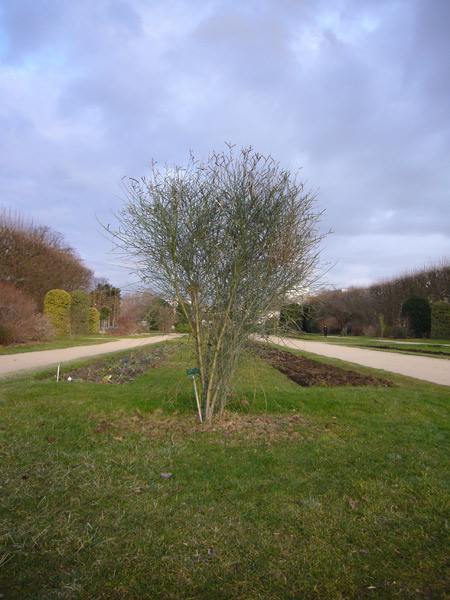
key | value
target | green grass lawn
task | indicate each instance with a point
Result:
(322, 493)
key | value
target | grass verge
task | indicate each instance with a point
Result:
(322, 493)
(70, 342)
(56, 344)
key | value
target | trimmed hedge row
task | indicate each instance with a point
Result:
(440, 321)
(79, 312)
(57, 308)
(417, 311)
(94, 320)
(71, 313)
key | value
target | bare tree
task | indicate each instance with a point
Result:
(227, 239)
(348, 307)
(104, 295)
(144, 311)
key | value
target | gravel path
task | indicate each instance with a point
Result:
(45, 358)
(435, 370)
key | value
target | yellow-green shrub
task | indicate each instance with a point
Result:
(94, 320)
(57, 308)
(79, 312)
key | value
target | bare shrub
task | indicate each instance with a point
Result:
(145, 311)
(228, 239)
(19, 315)
(127, 324)
(370, 331)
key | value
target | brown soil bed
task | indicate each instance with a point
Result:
(307, 372)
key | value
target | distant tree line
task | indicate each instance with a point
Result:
(107, 300)
(36, 259)
(397, 307)
(432, 283)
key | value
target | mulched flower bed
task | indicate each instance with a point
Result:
(307, 372)
(123, 369)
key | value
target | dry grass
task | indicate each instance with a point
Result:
(234, 428)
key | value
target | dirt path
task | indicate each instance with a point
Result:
(44, 358)
(435, 370)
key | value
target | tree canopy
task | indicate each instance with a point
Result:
(36, 259)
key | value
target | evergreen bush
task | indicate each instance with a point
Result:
(79, 312)
(105, 313)
(94, 320)
(417, 311)
(57, 308)
(440, 321)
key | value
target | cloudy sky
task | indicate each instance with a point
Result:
(356, 93)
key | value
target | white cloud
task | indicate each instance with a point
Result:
(356, 92)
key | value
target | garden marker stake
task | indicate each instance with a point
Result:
(57, 372)
(192, 373)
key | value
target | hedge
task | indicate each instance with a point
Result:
(79, 312)
(417, 310)
(440, 321)
(94, 320)
(57, 308)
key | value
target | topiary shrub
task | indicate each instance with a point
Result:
(79, 312)
(94, 320)
(440, 321)
(57, 308)
(417, 311)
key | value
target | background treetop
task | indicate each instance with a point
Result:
(37, 259)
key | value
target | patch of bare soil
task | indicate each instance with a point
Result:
(233, 428)
(122, 369)
(307, 372)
